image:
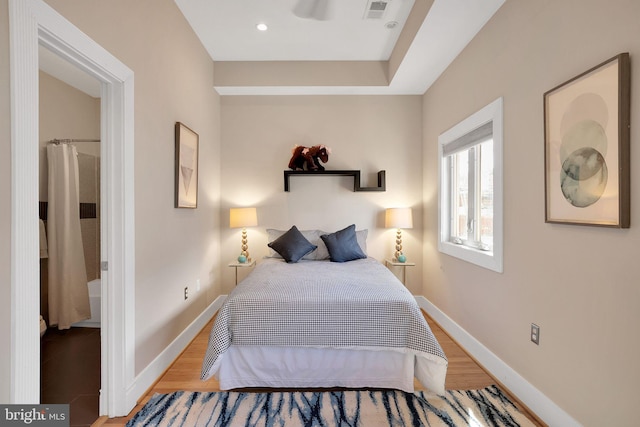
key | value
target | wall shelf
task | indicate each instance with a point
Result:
(354, 173)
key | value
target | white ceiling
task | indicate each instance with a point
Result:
(227, 29)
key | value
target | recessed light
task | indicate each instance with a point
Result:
(262, 27)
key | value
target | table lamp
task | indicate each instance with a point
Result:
(398, 218)
(243, 217)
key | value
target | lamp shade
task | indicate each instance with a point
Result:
(398, 218)
(243, 217)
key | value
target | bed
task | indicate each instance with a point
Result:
(315, 323)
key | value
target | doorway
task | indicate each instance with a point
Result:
(34, 23)
(69, 210)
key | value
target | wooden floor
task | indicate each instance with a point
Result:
(463, 373)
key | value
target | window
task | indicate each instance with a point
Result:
(470, 190)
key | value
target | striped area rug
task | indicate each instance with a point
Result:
(475, 408)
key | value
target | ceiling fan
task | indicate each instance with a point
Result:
(319, 10)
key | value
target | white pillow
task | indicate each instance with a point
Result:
(361, 237)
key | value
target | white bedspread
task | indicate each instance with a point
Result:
(358, 305)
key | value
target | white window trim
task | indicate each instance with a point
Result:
(491, 260)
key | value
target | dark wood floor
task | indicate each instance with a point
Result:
(463, 373)
(70, 372)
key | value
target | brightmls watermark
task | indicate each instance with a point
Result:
(34, 415)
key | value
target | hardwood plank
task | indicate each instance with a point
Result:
(463, 373)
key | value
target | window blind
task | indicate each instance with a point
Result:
(475, 137)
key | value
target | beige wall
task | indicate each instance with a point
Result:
(5, 206)
(65, 113)
(173, 82)
(580, 284)
(367, 133)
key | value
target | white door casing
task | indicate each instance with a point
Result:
(33, 22)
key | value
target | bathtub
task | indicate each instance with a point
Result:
(94, 300)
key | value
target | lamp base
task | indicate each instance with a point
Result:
(398, 253)
(244, 247)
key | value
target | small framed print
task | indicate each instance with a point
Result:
(186, 173)
(587, 133)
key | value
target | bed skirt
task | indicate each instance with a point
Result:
(304, 367)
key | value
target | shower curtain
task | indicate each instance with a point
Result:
(68, 292)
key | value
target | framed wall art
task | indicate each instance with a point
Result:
(586, 128)
(186, 173)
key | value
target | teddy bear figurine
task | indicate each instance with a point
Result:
(309, 158)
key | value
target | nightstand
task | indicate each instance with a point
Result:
(237, 265)
(404, 265)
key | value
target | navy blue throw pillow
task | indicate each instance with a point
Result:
(292, 245)
(343, 245)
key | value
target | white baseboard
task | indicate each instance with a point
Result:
(533, 398)
(159, 365)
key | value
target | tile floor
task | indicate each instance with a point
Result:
(70, 371)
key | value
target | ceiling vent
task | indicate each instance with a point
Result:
(375, 9)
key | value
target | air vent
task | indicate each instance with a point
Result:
(375, 9)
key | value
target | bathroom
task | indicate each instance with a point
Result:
(70, 347)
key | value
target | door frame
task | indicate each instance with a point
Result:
(33, 23)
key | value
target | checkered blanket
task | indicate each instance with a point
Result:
(322, 304)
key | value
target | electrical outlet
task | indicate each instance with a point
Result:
(186, 292)
(197, 285)
(535, 334)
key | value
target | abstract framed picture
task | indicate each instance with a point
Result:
(586, 132)
(186, 173)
